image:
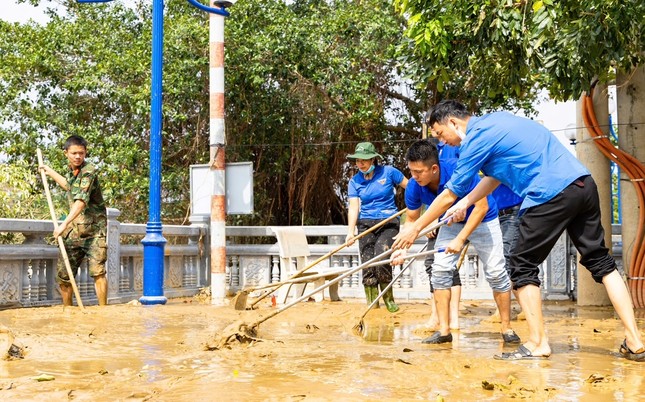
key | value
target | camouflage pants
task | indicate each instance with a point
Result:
(373, 244)
(92, 248)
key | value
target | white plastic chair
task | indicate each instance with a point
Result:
(292, 243)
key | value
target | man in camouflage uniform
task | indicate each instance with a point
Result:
(85, 227)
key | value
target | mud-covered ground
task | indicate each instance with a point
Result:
(309, 352)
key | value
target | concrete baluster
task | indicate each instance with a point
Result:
(275, 268)
(42, 280)
(26, 281)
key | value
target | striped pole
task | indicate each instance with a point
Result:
(217, 160)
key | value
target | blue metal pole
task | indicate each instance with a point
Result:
(154, 242)
(615, 172)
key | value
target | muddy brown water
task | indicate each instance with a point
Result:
(309, 353)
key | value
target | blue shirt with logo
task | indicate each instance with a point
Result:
(416, 195)
(377, 193)
(519, 152)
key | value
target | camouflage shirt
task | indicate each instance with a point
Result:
(85, 186)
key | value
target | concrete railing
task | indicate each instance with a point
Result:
(256, 264)
(27, 270)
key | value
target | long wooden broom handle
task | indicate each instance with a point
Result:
(342, 276)
(61, 244)
(342, 246)
(329, 254)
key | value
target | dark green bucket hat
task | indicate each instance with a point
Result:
(364, 150)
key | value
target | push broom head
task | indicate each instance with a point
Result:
(237, 332)
(239, 301)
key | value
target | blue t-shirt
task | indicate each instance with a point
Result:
(519, 152)
(505, 197)
(377, 193)
(447, 151)
(416, 195)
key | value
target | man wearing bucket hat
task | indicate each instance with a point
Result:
(371, 199)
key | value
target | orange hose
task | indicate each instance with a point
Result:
(634, 170)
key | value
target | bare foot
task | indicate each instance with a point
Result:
(543, 350)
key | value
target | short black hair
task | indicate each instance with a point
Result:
(423, 151)
(446, 109)
(74, 140)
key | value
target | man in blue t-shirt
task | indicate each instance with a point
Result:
(429, 177)
(508, 207)
(559, 194)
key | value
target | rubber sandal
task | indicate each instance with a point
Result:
(637, 356)
(522, 353)
(511, 337)
(437, 338)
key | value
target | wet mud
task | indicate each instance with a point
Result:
(310, 352)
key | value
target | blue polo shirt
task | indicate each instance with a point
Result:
(447, 151)
(416, 196)
(377, 193)
(505, 197)
(519, 152)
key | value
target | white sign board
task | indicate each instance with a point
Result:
(239, 188)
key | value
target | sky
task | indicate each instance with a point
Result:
(13, 12)
(557, 117)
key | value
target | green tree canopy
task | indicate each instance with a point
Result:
(500, 53)
(305, 81)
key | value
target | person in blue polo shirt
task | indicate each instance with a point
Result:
(371, 199)
(445, 152)
(429, 176)
(508, 207)
(559, 194)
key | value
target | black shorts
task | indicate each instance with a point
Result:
(577, 210)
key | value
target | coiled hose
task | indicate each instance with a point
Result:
(636, 172)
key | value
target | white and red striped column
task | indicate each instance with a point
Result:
(217, 160)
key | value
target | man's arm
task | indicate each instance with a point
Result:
(77, 208)
(475, 218)
(483, 188)
(58, 178)
(411, 216)
(409, 234)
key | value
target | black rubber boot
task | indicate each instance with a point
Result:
(388, 298)
(370, 293)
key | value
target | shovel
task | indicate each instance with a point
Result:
(243, 332)
(61, 244)
(239, 301)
